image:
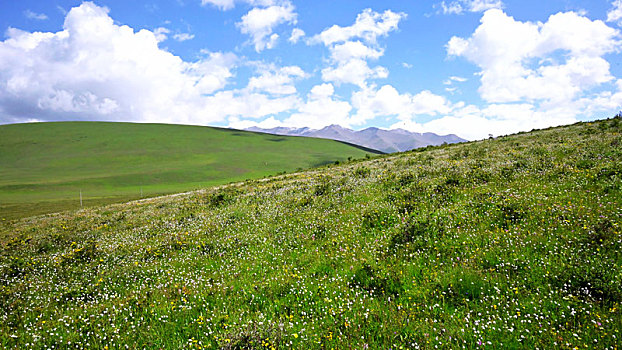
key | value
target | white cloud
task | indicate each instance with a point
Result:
(554, 61)
(483, 5)
(471, 122)
(229, 4)
(369, 25)
(212, 72)
(296, 35)
(354, 50)
(387, 101)
(241, 124)
(183, 37)
(533, 75)
(32, 15)
(602, 102)
(427, 103)
(453, 8)
(322, 90)
(259, 23)
(161, 33)
(349, 64)
(221, 4)
(615, 13)
(460, 6)
(277, 81)
(355, 71)
(321, 109)
(247, 104)
(348, 60)
(95, 69)
(453, 79)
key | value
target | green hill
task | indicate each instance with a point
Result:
(45, 166)
(511, 243)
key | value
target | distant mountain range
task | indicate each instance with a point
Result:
(388, 141)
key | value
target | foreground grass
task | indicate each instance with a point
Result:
(45, 166)
(507, 243)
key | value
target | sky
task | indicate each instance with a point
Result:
(473, 68)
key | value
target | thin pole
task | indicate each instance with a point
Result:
(80, 198)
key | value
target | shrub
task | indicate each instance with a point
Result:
(369, 279)
(362, 172)
(416, 234)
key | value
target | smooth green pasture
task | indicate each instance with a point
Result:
(45, 166)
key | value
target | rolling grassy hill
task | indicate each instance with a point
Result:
(45, 166)
(509, 243)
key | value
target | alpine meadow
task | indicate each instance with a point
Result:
(315, 175)
(513, 242)
(50, 167)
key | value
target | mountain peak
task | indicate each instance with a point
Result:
(334, 127)
(388, 141)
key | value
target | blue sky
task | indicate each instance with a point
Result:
(468, 67)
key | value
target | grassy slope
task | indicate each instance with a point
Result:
(507, 243)
(44, 166)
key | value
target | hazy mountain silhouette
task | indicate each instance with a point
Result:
(388, 141)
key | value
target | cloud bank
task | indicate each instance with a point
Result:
(531, 74)
(95, 69)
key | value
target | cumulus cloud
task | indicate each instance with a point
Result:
(605, 101)
(387, 101)
(349, 64)
(533, 75)
(95, 69)
(460, 6)
(554, 61)
(472, 122)
(33, 15)
(321, 109)
(236, 104)
(259, 24)
(296, 35)
(351, 47)
(369, 25)
(352, 50)
(277, 81)
(354, 71)
(615, 13)
(161, 33)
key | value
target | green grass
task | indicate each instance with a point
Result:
(511, 243)
(44, 166)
